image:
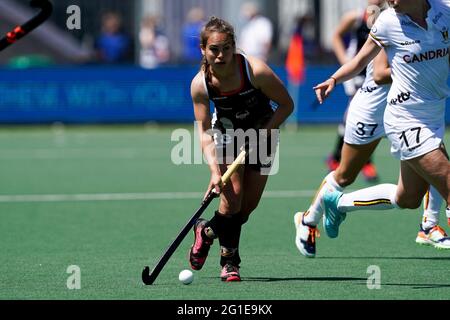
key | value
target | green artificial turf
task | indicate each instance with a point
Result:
(113, 238)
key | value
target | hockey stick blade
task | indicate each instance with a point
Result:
(148, 277)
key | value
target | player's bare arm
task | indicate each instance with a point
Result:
(348, 70)
(346, 24)
(202, 115)
(270, 84)
(381, 69)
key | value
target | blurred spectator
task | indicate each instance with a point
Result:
(191, 35)
(113, 45)
(306, 27)
(256, 36)
(295, 59)
(349, 37)
(303, 49)
(154, 44)
(295, 67)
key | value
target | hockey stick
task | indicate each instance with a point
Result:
(149, 277)
(21, 31)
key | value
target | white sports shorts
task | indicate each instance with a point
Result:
(413, 138)
(364, 122)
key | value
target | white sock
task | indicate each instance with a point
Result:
(431, 205)
(379, 197)
(315, 212)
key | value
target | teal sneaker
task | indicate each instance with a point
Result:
(333, 217)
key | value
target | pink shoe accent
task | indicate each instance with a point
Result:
(332, 164)
(230, 273)
(199, 250)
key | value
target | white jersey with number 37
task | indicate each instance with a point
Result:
(419, 58)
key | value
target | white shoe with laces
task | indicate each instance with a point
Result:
(305, 237)
(434, 236)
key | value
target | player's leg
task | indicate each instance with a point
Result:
(430, 232)
(387, 196)
(435, 169)
(252, 188)
(205, 231)
(334, 158)
(432, 203)
(379, 197)
(354, 157)
(434, 166)
(415, 176)
(423, 163)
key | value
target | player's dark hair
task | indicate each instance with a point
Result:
(218, 25)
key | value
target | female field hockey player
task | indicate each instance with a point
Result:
(415, 35)
(356, 25)
(242, 89)
(363, 133)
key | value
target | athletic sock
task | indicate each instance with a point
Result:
(229, 236)
(314, 214)
(379, 197)
(447, 213)
(212, 227)
(432, 205)
(339, 143)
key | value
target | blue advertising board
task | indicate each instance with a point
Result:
(97, 94)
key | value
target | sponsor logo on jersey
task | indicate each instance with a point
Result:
(246, 92)
(407, 23)
(402, 97)
(444, 33)
(224, 107)
(437, 17)
(425, 56)
(409, 43)
(219, 98)
(241, 115)
(368, 89)
(251, 102)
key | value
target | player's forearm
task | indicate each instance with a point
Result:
(349, 70)
(383, 76)
(209, 151)
(280, 115)
(353, 67)
(339, 51)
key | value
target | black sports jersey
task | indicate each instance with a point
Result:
(361, 35)
(243, 108)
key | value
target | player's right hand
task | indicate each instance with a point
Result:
(215, 184)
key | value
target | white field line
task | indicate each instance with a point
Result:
(120, 153)
(22, 198)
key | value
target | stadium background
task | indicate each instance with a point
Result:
(68, 88)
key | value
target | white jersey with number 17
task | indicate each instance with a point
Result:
(419, 58)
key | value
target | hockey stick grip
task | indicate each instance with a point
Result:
(148, 277)
(233, 167)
